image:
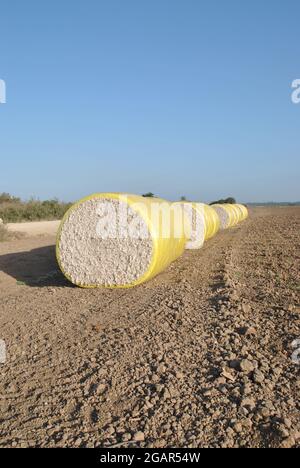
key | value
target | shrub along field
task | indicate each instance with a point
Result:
(14, 210)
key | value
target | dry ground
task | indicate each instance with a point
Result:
(36, 228)
(200, 356)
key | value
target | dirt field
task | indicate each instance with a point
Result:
(201, 356)
(37, 228)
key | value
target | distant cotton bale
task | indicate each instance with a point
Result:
(196, 219)
(243, 211)
(203, 220)
(212, 221)
(236, 213)
(118, 240)
(225, 215)
(230, 214)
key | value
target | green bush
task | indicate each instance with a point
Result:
(13, 210)
(229, 200)
(6, 197)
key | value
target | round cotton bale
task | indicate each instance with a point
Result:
(225, 214)
(236, 214)
(212, 221)
(196, 219)
(117, 240)
(240, 212)
(243, 210)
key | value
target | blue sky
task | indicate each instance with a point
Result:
(177, 97)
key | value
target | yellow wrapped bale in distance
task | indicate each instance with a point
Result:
(240, 212)
(118, 240)
(195, 216)
(243, 210)
(227, 215)
(237, 214)
(230, 214)
(203, 220)
(212, 221)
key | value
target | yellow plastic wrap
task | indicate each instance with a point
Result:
(209, 218)
(236, 213)
(165, 249)
(243, 210)
(212, 221)
(196, 220)
(231, 213)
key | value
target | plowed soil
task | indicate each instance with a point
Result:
(204, 355)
